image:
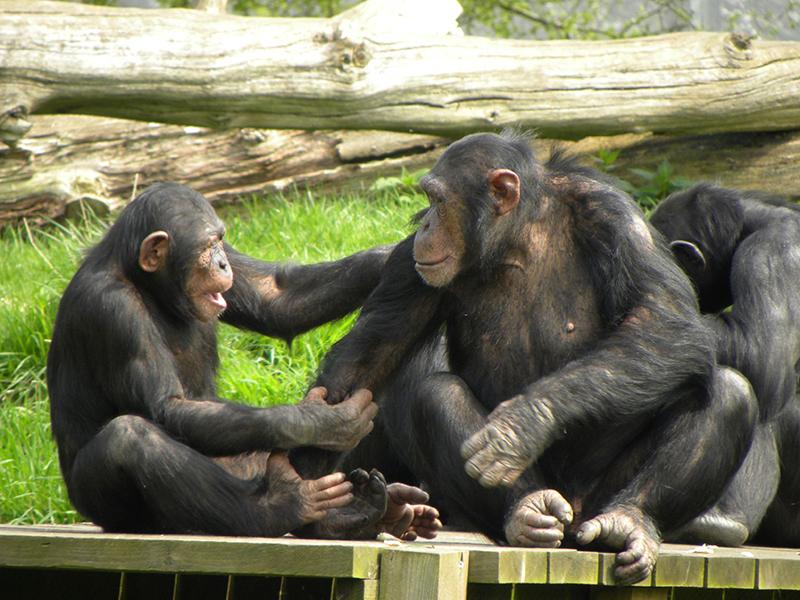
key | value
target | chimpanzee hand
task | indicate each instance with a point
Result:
(337, 427)
(538, 520)
(407, 516)
(518, 431)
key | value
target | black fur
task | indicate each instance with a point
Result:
(638, 405)
(131, 374)
(751, 243)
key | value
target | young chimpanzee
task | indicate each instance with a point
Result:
(742, 250)
(579, 383)
(144, 442)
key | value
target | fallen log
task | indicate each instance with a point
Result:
(381, 65)
(69, 160)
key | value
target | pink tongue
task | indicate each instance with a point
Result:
(218, 300)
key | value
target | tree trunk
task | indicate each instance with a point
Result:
(67, 160)
(382, 65)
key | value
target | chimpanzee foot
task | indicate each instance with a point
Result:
(538, 520)
(629, 530)
(359, 520)
(290, 501)
(407, 516)
(712, 527)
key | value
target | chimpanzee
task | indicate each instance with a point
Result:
(534, 328)
(742, 250)
(144, 443)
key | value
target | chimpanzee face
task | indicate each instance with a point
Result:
(207, 273)
(441, 250)
(210, 277)
(439, 245)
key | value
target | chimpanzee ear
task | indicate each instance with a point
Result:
(504, 186)
(688, 253)
(153, 251)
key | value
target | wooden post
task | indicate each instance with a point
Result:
(412, 574)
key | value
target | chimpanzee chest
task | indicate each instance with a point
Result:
(502, 338)
(196, 360)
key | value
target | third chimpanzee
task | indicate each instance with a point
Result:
(742, 250)
(533, 328)
(144, 442)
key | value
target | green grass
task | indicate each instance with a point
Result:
(38, 263)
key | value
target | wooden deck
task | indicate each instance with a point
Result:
(80, 562)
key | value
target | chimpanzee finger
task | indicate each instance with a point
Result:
(540, 538)
(559, 507)
(358, 476)
(377, 475)
(473, 445)
(332, 492)
(499, 474)
(539, 521)
(494, 475)
(316, 395)
(408, 494)
(328, 481)
(361, 398)
(589, 532)
(338, 501)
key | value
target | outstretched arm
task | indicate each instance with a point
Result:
(140, 376)
(401, 311)
(285, 300)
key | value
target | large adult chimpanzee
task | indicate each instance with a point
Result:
(742, 250)
(144, 442)
(578, 373)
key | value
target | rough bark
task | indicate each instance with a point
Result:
(382, 65)
(66, 160)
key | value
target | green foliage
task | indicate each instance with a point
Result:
(598, 19)
(553, 19)
(296, 8)
(404, 185)
(255, 370)
(649, 186)
(654, 186)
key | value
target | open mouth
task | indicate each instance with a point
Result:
(217, 300)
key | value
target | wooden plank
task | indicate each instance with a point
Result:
(778, 570)
(731, 568)
(193, 554)
(508, 565)
(679, 569)
(412, 574)
(574, 566)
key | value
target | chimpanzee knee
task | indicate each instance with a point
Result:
(734, 400)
